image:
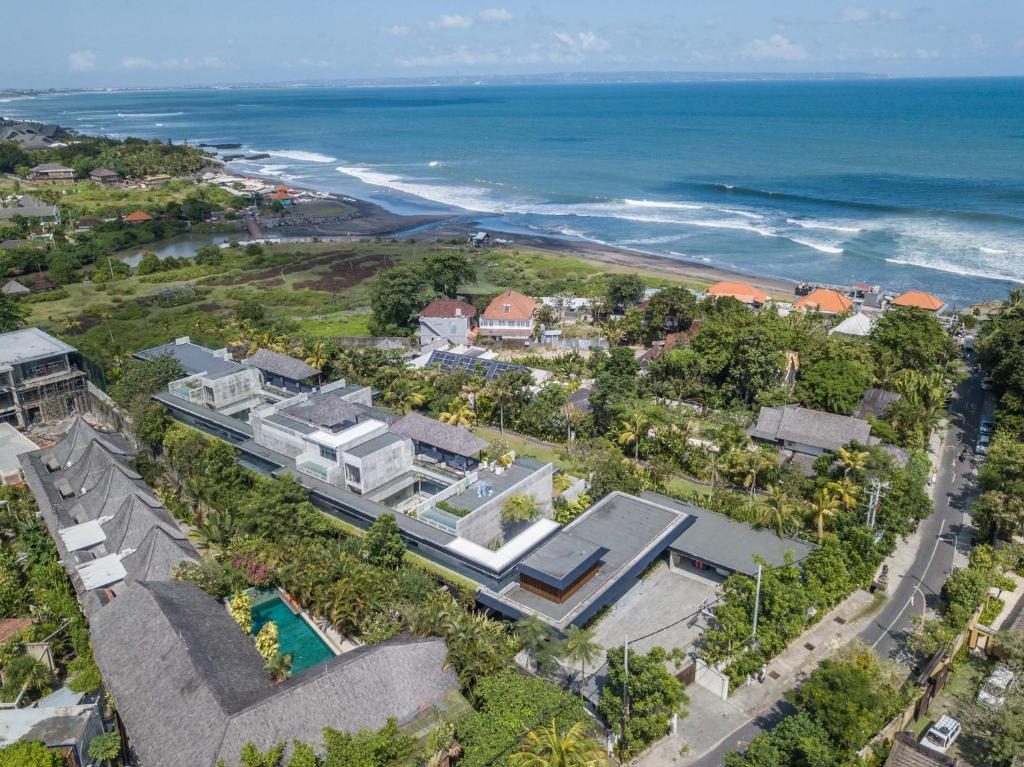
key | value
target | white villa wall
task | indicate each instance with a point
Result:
(384, 465)
(484, 524)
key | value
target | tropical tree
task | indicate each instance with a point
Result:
(824, 506)
(579, 646)
(279, 667)
(12, 313)
(520, 508)
(631, 431)
(318, 354)
(779, 510)
(268, 641)
(240, 608)
(551, 747)
(404, 395)
(383, 545)
(535, 635)
(851, 460)
(105, 747)
(845, 492)
(459, 413)
(614, 331)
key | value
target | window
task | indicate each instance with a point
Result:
(329, 453)
(352, 474)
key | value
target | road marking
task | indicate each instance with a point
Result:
(917, 589)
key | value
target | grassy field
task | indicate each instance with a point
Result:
(565, 460)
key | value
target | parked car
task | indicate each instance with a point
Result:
(941, 735)
(981, 448)
(993, 691)
(987, 424)
(986, 383)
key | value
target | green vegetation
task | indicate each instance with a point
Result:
(386, 747)
(29, 753)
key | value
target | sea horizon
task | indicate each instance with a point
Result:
(904, 182)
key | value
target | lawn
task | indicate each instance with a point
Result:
(962, 686)
(569, 462)
(337, 324)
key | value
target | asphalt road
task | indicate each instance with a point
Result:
(920, 588)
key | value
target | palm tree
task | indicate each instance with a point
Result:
(459, 413)
(753, 463)
(631, 431)
(580, 647)
(502, 398)
(778, 512)
(614, 331)
(404, 395)
(824, 507)
(534, 634)
(520, 508)
(318, 354)
(845, 492)
(549, 747)
(852, 460)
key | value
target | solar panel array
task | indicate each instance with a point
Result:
(487, 368)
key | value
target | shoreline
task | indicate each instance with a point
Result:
(374, 220)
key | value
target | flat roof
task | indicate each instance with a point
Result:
(12, 444)
(286, 421)
(632, 531)
(29, 344)
(562, 560)
(53, 725)
(472, 498)
(371, 446)
(101, 572)
(193, 357)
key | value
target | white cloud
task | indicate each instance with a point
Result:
(461, 56)
(82, 61)
(856, 14)
(777, 47)
(495, 15)
(398, 30)
(139, 62)
(452, 21)
(582, 41)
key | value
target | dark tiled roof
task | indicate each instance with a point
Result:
(132, 522)
(448, 307)
(157, 556)
(327, 410)
(281, 364)
(90, 470)
(809, 427)
(193, 358)
(77, 440)
(454, 439)
(371, 446)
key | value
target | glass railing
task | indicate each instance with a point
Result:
(313, 469)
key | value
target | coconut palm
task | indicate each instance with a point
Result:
(824, 506)
(580, 647)
(614, 331)
(459, 413)
(404, 395)
(851, 460)
(845, 492)
(631, 431)
(520, 508)
(778, 511)
(318, 354)
(551, 747)
(535, 634)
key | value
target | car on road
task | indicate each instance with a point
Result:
(993, 691)
(981, 448)
(941, 735)
(986, 384)
(988, 423)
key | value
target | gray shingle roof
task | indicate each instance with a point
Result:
(809, 427)
(90, 470)
(281, 364)
(371, 446)
(14, 288)
(454, 439)
(190, 686)
(906, 752)
(49, 166)
(77, 440)
(157, 556)
(105, 497)
(132, 521)
(875, 401)
(327, 410)
(193, 357)
(718, 540)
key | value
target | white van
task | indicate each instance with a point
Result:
(941, 735)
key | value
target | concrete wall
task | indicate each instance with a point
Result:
(485, 524)
(275, 439)
(384, 465)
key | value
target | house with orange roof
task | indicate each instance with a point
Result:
(138, 217)
(741, 291)
(509, 317)
(918, 299)
(824, 301)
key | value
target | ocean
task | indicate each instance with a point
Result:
(903, 183)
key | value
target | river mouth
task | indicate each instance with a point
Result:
(181, 246)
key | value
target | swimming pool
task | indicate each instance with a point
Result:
(297, 637)
(418, 489)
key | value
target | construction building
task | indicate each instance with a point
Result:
(42, 379)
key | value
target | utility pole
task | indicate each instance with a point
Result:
(877, 491)
(757, 606)
(625, 693)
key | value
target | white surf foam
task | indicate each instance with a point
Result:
(818, 246)
(662, 204)
(298, 154)
(993, 251)
(128, 115)
(941, 265)
(805, 223)
(435, 164)
(467, 198)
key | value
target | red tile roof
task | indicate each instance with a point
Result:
(448, 307)
(919, 300)
(824, 300)
(510, 305)
(10, 627)
(741, 291)
(138, 217)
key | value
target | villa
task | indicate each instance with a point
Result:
(810, 432)
(105, 177)
(741, 291)
(52, 173)
(824, 301)
(32, 209)
(509, 317)
(42, 379)
(446, 321)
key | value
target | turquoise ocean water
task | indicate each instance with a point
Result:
(907, 183)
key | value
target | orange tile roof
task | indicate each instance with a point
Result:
(520, 307)
(741, 291)
(824, 300)
(137, 216)
(10, 627)
(280, 196)
(919, 300)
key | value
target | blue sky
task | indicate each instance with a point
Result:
(66, 43)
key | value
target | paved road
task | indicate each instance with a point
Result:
(941, 533)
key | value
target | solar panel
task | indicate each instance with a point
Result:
(487, 368)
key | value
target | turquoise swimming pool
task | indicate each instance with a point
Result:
(297, 637)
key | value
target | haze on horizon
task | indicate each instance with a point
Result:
(145, 43)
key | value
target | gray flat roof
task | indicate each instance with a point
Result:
(193, 357)
(631, 530)
(291, 423)
(562, 560)
(371, 446)
(29, 344)
(520, 469)
(12, 444)
(718, 540)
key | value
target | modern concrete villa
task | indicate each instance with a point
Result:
(359, 462)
